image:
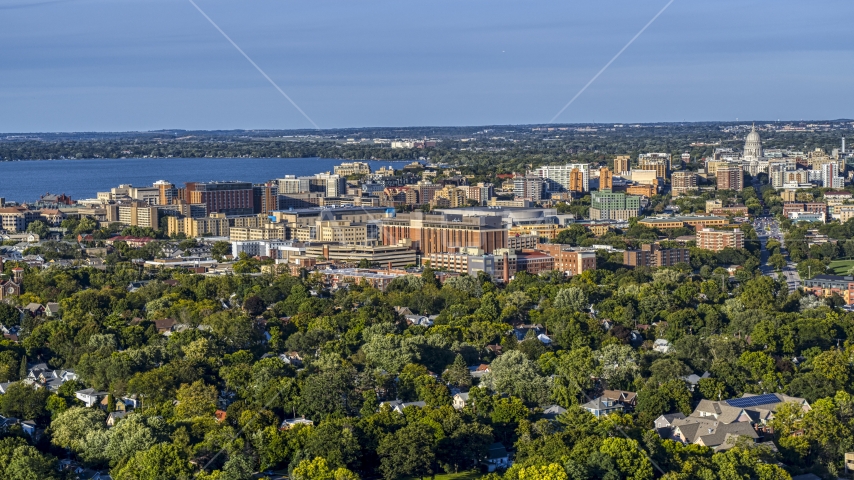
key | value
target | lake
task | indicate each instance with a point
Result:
(26, 181)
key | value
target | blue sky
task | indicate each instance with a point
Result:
(115, 65)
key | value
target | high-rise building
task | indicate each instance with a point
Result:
(717, 240)
(660, 162)
(830, 176)
(576, 181)
(622, 163)
(683, 182)
(265, 197)
(168, 193)
(609, 205)
(231, 198)
(730, 177)
(529, 187)
(558, 177)
(606, 180)
(431, 233)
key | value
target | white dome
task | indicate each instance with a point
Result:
(753, 145)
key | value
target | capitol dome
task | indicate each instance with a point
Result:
(753, 145)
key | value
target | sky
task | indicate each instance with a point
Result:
(128, 65)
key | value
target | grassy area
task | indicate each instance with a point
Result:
(841, 267)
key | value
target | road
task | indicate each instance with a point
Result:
(767, 228)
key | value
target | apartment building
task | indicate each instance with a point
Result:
(137, 214)
(352, 168)
(16, 219)
(622, 164)
(660, 162)
(717, 240)
(569, 260)
(215, 225)
(683, 182)
(609, 205)
(268, 231)
(730, 177)
(559, 178)
(606, 179)
(652, 255)
(528, 187)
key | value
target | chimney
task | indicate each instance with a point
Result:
(506, 275)
(388, 267)
(326, 252)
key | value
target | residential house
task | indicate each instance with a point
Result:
(114, 417)
(29, 427)
(51, 309)
(90, 397)
(423, 320)
(628, 399)
(713, 424)
(290, 423)
(398, 406)
(693, 380)
(461, 400)
(34, 309)
(41, 375)
(553, 411)
(603, 406)
(497, 458)
(661, 345)
(292, 358)
(666, 420)
(478, 371)
(220, 415)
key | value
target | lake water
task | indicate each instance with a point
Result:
(26, 181)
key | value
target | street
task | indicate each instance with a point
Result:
(767, 228)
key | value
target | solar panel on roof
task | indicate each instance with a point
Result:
(746, 402)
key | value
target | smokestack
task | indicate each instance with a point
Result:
(389, 267)
(506, 269)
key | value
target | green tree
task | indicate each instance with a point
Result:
(196, 400)
(407, 452)
(161, 461)
(39, 228)
(70, 428)
(20, 461)
(318, 469)
(631, 461)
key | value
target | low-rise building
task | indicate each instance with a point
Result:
(652, 255)
(695, 221)
(570, 260)
(826, 286)
(717, 240)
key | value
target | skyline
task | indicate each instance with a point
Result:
(91, 65)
